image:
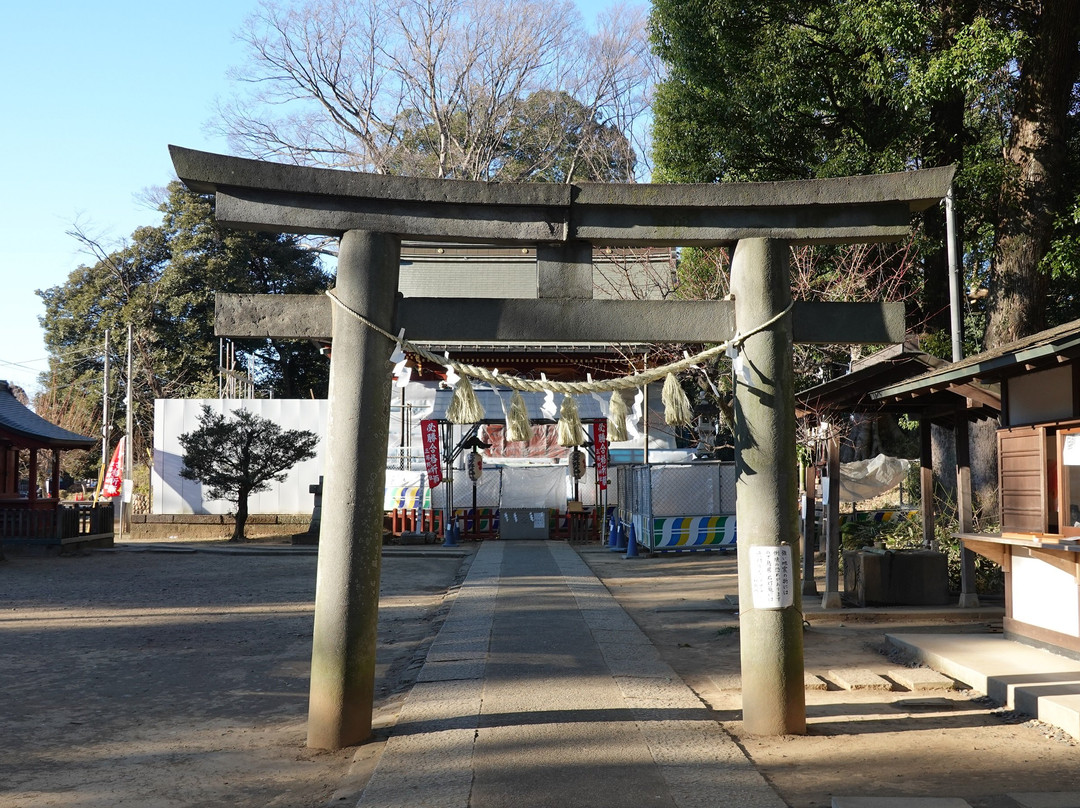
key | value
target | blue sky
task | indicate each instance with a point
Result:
(95, 94)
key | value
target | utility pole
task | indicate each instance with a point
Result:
(125, 497)
(104, 418)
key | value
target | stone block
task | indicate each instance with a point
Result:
(919, 679)
(200, 519)
(901, 578)
(858, 679)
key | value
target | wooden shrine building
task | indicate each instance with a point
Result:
(26, 517)
(1037, 382)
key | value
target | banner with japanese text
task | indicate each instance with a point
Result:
(429, 434)
(112, 483)
(600, 453)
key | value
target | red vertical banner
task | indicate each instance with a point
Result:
(429, 434)
(600, 453)
(112, 483)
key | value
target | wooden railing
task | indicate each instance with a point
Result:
(63, 522)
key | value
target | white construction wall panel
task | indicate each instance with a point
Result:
(172, 494)
(487, 490)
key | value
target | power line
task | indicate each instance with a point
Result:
(61, 355)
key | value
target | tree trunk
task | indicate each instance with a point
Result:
(241, 517)
(1035, 162)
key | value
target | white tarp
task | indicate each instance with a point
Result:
(487, 490)
(534, 487)
(866, 479)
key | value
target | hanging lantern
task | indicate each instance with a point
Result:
(577, 463)
(476, 465)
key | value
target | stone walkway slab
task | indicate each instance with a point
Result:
(919, 679)
(1047, 799)
(899, 802)
(569, 704)
(858, 679)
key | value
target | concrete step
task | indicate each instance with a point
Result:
(1047, 799)
(1026, 679)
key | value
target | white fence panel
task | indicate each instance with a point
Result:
(172, 494)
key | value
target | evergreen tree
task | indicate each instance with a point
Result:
(239, 456)
(778, 89)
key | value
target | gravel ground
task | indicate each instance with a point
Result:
(140, 677)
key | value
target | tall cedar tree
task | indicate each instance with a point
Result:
(240, 456)
(778, 89)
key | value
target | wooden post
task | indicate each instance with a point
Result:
(766, 488)
(926, 483)
(31, 484)
(809, 537)
(831, 598)
(54, 480)
(350, 535)
(969, 597)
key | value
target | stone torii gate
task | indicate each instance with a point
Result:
(371, 214)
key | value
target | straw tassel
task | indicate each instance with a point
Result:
(571, 432)
(464, 407)
(617, 417)
(518, 426)
(677, 410)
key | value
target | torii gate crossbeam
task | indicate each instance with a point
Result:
(372, 213)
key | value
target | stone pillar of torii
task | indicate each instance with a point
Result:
(372, 213)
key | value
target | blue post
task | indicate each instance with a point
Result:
(451, 533)
(631, 543)
(613, 530)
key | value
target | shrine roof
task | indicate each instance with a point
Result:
(27, 429)
(1040, 351)
(852, 392)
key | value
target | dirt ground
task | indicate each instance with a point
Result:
(869, 743)
(156, 679)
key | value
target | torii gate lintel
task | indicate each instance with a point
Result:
(372, 214)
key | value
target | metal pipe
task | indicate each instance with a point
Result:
(954, 277)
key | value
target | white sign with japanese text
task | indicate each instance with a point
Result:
(771, 577)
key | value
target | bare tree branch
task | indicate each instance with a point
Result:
(437, 87)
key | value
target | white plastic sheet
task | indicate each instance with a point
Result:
(866, 479)
(534, 487)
